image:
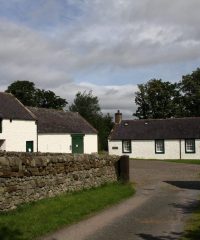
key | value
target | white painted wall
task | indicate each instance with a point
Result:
(115, 144)
(146, 149)
(61, 143)
(90, 143)
(16, 133)
(195, 155)
(57, 143)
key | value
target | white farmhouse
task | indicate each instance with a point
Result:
(64, 132)
(18, 129)
(174, 138)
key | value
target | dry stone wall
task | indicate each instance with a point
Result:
(26, 177)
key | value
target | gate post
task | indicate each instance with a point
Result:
(123, 168)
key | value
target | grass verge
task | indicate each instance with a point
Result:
(192, 230)
(188, 161)
(35, 219)
(185, 161)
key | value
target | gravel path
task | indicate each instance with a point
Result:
(166, 195)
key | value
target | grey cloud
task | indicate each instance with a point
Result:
(111, 98)
(92, 34)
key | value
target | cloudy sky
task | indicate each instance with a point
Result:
(108, 46)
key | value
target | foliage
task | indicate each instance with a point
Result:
(88, 107)
(159, 99)
(190, 90)
(38, 218)
(48, 99)
(156, 99)
(26, 92)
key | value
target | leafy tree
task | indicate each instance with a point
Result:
(26, 92)
(190, 94)
(48, 99)
(88, 107)
(157, 99)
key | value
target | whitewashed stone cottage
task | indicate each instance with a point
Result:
(174, 138)
(24, 129)
(18, 126)
(64, 132)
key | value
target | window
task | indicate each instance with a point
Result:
(190, 146)
(159, 146)
(126, 146)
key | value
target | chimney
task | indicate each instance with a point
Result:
(118, 117)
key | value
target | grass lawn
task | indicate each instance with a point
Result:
(38, 218)
(185, 161)
(192, 230)
(172, 160)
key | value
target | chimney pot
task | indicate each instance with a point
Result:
(118, 117)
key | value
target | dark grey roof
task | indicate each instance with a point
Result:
(57, 121)
(173, 128)
(12, 108)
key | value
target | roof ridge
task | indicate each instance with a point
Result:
(160, 119)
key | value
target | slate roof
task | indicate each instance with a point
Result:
(12, 108)
(57, 121)
(173, 128)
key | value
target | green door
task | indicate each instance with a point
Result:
(77, 143)
(29, 146)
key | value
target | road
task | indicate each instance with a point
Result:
(166, 195)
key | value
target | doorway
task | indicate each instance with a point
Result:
(77, 143)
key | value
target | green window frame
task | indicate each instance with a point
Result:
(126, 146)
(159, 146)
(190, 146)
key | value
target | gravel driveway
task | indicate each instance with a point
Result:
(166, 195)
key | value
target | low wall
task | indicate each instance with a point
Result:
(26, 177)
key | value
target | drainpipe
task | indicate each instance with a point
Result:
(37, 133)
(180, 147)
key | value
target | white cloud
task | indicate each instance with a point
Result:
(111, 98)
(58, 39)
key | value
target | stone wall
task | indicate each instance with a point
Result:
(26, 177)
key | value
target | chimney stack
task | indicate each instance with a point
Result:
(118, 117)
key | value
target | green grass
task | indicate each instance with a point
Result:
(35, 219)
(185, 161)
(192, 229)
(188, 161)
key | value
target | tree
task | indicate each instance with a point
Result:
(157, 99)
(26, 92)
(88, 107)
(48, 99)
(190, 94)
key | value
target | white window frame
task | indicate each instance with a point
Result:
(189, 145)
(159, 146)
(126, 146)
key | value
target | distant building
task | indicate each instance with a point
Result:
(174, 138)
(27, 129)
